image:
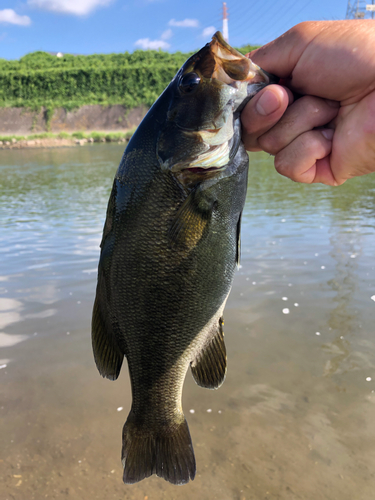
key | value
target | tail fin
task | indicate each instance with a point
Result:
(168, 454)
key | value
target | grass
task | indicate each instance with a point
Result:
(96, 136)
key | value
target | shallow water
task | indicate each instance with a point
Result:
(295, 418)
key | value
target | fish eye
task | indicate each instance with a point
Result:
(189, 82)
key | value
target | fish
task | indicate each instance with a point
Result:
(170, 247)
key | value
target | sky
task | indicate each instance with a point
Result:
(106, 26)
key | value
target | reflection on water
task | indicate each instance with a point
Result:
(295, 417)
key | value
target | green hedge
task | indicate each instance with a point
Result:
(130, 86)
(40, 79)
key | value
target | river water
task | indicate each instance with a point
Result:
(295, 418)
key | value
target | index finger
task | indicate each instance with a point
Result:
(330, 59)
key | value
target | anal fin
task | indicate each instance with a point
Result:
(107, 355)
(210, 366)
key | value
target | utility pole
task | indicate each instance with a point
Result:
(360, 9)
(225, 22)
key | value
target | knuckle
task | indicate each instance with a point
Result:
(251, 146)
(318, 145)
(312, 143)
(311, 104)
(299, 28)
(306, 28)
(281, 165)
(269, 144)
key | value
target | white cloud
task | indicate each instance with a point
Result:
(186, 23)
(76, 7)
(9, 16)
(208, 32)
(166, 35)
(146, 43)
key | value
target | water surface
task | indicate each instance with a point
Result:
(295, 418)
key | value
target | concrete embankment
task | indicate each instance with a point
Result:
(21, 121)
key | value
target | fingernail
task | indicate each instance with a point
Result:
(328, 133)
(268, 103)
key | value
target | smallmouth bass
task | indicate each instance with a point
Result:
(170, 245)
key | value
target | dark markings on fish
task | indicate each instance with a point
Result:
(169, 140)
(206, 64)
(235, 68)
(210, 366)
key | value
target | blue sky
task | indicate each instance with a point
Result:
(104, 26)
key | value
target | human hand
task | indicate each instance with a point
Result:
(332, 65)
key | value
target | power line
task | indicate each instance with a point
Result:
(359, 9)
(292, 18)
(255, 20)
(238, 24)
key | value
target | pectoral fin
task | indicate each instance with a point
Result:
(210, 366)
(191, 220)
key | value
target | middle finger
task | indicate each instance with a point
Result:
(303, 115)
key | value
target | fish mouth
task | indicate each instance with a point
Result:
(232, 67)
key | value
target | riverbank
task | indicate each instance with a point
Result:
(89, 118)
(23, 128)
(49, 139)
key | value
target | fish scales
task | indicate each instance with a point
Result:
(168, 254)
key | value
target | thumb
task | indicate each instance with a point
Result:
(262, 112)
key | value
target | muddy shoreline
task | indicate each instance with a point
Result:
(53, 142)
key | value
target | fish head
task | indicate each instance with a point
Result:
(206, 95)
